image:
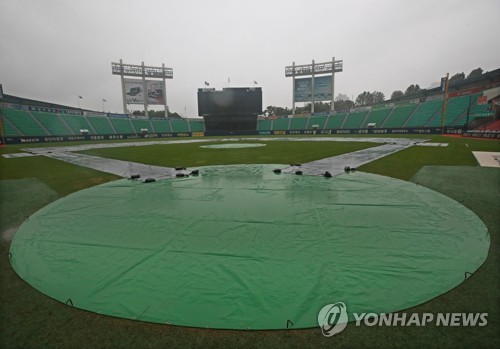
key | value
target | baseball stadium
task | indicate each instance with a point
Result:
(238, 229)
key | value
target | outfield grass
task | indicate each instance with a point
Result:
(192, 154)
(29, 319)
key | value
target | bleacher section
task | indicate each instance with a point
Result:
(122, 125)
(141, 124)
(299, 123)
(281, 124)
(21, 122)
(318, 121)
(196, 125)
(425, 111)
(354, 120)
(376, 117)
(335, 121)
(161, 125)
(455, 108)
(9, 131)
(101, 124)
(24, 122)
(77, 123)
(399, 115)
(52, 123)
(264, 125)
(179, 125)
(493, 126)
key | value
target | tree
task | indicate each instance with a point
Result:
(343, 105)
(456, 78)
(364, 98)
(412, 89)
(378, 97)
(397, 94)
(273, 110)
(475, 73)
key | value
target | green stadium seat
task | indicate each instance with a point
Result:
(8, 130)
(179, 125)
(24, 122)
(335, 121)
(123, 125)
(52, 123)
(77, 123)
(399, 115)
(140, 124)
(377, 117)
(425, 111)
(317, 120)
(196, 125)
(101, 124)
(456, 109)
(299, 123)
(354, 120)
(161, 125)
(281, 124)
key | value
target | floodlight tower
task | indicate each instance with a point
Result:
(142, 91)
(313, 88)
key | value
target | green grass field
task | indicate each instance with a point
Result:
(29, 319)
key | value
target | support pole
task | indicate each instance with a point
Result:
(312, 89)
(333, 85)
(145, 89)
(293, 89)
(124, 96)
(164, 90)
(443, 117)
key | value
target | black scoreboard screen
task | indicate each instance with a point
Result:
(230, 101)
(232, 109)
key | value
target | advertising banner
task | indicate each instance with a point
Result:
(322, 89)
(135, 94)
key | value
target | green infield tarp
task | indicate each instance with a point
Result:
(240, 247)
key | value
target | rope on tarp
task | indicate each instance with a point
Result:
(69, 302)
(289, 323)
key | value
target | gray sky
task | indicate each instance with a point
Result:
(55, 50)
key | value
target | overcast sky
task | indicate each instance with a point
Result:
(55, 50)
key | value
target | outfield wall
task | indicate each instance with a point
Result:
(114, 137)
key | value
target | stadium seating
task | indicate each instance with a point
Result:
(8, 130)
(376, 117)
(20, 122)
(425, 111)
(399, 115)
(101, 124)
(77, 123)
(354, 120)
(161, 125)
(196, 125)
(24, 122)
(122, 125)
(52, 123)
(281, 124)
(265, 125)
(319, 121)
(299, 123)
(456, 110)
(179, 125)
(335, 121)
(140, 124)
(493, 126)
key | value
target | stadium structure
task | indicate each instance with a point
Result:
(472, 105)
